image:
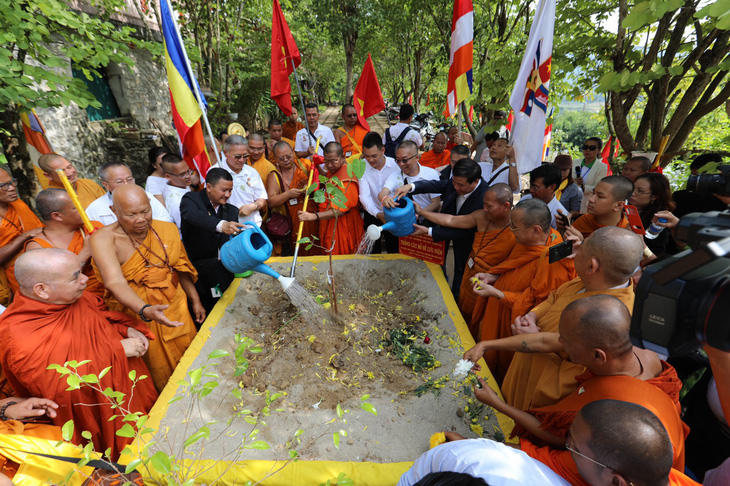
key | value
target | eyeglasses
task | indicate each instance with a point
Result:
(403, 161)
(128, 180)
(6, 186)
(240, 156)
(284, 157)
(187, 173)
(590, 147)
(515, 228)
(536, 187)
(567, 446)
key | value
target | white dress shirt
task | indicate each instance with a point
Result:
(396, 130)
(553, 206)
(247, 188)
(173, 195)
(304, 140)
(100, 211)
(398, 178)
(372, 182)
(461, 199)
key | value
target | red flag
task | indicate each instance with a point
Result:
(510, 119)
(471, 113)
(367, 98)
(284, 58)
(606, 152)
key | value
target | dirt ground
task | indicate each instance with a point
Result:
(333, 370)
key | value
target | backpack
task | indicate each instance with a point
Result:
(390, 144)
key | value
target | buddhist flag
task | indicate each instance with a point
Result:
(529, 98)
(546, 142)
(35, 136)
(461, 58)
(367, 98)
(186, 108)
(284, 58)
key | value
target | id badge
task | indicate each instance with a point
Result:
(347, 154)
(470, 262)
(215, 292)
(293, 202)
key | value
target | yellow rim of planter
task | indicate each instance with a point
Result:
(302, 472)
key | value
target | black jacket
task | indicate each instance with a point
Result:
(199, 220)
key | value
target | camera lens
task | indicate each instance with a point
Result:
(706, 183)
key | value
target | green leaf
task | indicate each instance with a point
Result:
(202, 433)
(368, 407)
(336, 439)
(293, 454)
(218, 353)
(339, 411)
(298, 432)
(161, 462)
(86, 435)
(133, 375)
(195, 376)
(67, 431)
(126, 431)
(132, 466)
(104, 372)
(258, 445)
(364, 397)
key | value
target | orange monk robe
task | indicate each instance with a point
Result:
(434, 160)
(349, 229)
(15, 427)
(526, 278)
(290, 129)
(293, 206)
(159, 286)
(351, 141)
(18, 220)
(87, 190)
(37, 334)
(541, 379)
(587, 224)
(490, 248)
(94, 285)
(617, 387)
(270, 156)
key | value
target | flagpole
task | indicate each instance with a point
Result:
(301, 99)
(193, 81)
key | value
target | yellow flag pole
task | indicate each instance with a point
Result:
(304, 208)
(75, 200)
(662, 147)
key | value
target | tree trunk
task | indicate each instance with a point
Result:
(417, 80)
(15, 149)
(350, 41)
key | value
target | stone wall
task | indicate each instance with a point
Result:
(143, 97)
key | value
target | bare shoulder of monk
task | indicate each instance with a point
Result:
(111, 236)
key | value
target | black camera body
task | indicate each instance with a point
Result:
(711, 183)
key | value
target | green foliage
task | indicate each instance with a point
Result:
(572, 128)
(341, 480)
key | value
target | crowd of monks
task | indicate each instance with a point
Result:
(554, 334)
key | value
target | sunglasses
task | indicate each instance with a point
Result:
(240, 156)
(590, 147)
(404, 161)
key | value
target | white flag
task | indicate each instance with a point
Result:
(529, 98)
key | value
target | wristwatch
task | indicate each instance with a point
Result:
(513, 164)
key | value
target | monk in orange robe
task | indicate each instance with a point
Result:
(439, 155)
(18, 225)
(340, 227)
(290, 127)
(65, 228)
(606, 205)
(148, 274)
(604, 264)
(524, 279)
(351, 135)
(87, 190)
(52, 321)
(276, 131)
(493, 241)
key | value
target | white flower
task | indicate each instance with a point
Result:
(462, 369)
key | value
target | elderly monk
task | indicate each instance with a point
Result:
(438, 156)
(65, 230)
(604, 263)
(86, 189)
(276, 131)
(52, 321)
(18, 225)
(294, 177)
(606, 205)
(340, 227)
(257, 159)
(523, 280)
(351, 134)
(290, 127)
(148, 274)
(493, 241)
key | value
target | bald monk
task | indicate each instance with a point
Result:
(438, 156)
(351, 134)
(493, 241)
(148, 274)
(523, 280)
(606, 205)
(345, 221)
(276, 135)
(18, 225)
(604, 263)
(87, 190)
(617, 443)
(257, 160)
(52, 321)
(290, 127)
(65, 229)
(294, 177)
(594, 333)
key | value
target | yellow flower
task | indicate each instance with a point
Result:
(477, 429)
(437, 439)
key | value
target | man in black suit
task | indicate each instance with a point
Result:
(208, 221)
(462, 194)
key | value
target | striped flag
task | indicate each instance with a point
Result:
(35, 136)
(187, 113)
(461, 57)
(530, 94)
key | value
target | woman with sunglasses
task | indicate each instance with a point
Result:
(568, 193)
(588, 171)
(652, 196)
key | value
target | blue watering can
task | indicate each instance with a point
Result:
(399, 220)
(248, 251)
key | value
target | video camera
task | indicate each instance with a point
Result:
(683, 302)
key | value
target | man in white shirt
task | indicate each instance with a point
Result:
(249, 194)
(544, 180)
(503, 168)
(378, 169)
(112, 175)
(588, 171)
(394, 135)
(410, 171)
(179, 177)
(307, 136)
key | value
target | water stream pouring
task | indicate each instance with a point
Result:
(399, 220)
(248, 251)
